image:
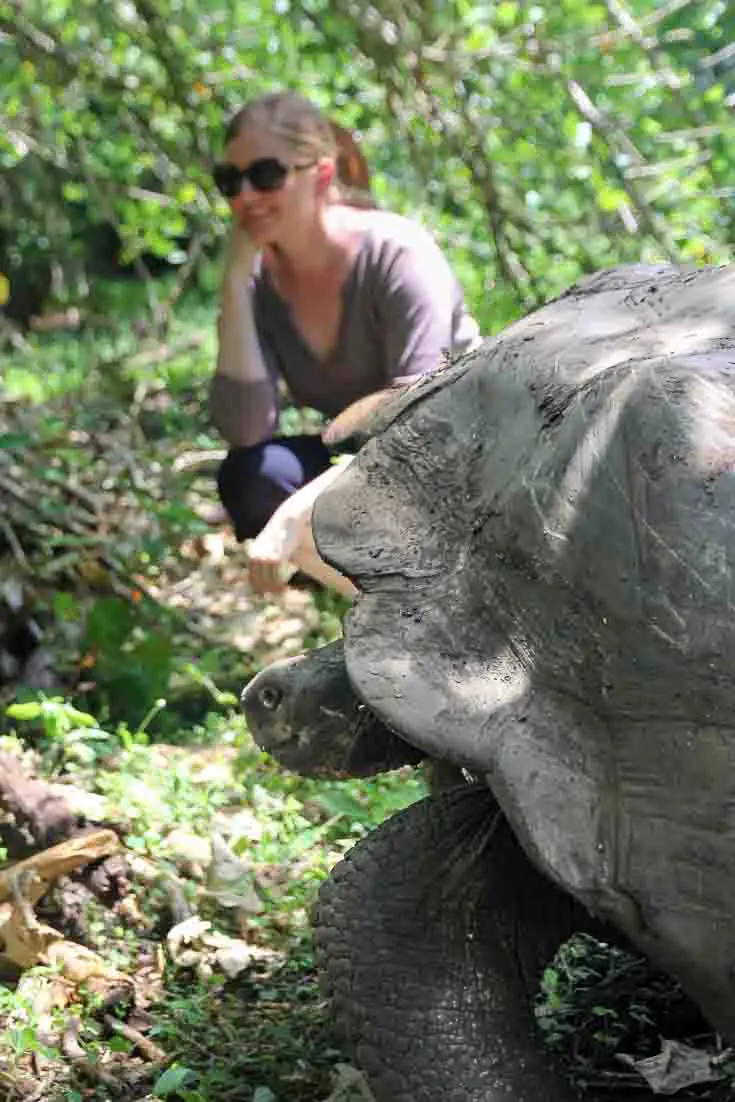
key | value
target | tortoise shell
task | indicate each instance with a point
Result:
(543, 536)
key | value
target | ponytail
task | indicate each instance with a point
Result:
(353, 175)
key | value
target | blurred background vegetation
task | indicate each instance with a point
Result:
(538, 140)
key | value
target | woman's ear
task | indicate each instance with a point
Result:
(326, 174)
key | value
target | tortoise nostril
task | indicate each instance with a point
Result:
(270, 698)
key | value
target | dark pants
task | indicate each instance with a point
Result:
(253, 482)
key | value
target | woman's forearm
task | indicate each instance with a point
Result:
(239, 355)
(242, 400)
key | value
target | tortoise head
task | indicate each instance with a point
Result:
(304, 712)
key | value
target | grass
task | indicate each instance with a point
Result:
(267, 1028)
(160, 740)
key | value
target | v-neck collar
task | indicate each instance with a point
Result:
(346, 295)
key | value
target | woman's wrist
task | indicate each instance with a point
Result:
(241, 254)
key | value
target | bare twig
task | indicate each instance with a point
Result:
(616, 137)
(627, 24)
(724, 54)
(664, 11)
(186, 270)
(15, 545)
(195, 460)
(70, 1045)
(172, 66)
(36, 506)
(145, 1046)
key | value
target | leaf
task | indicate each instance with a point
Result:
(25, 712)
(68, 713)
(187, 193)
(506, 13)
(310, 837)
(4, 289)
(264, 1094)
(154, 653)
(230, 880)
(119, 1044)
(350, 1086)
(10, 440)
(74, 192)
(65, 607)
(172, 1080)
(109, 624)
(676, 1067)
(609, 199)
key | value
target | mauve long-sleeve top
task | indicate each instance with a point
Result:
(403, 312)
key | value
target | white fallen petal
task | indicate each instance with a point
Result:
(184, 933)
(233, 959)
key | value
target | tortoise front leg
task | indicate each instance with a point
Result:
(431, 935)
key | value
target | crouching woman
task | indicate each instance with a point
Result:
(325, 294)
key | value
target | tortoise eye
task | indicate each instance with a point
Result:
(270, 698)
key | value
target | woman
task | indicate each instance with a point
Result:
(335, 299)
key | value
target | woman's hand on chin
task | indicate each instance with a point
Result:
(242, 250)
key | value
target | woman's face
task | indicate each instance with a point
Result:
(272, 217)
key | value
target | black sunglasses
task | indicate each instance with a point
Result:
(265, 174)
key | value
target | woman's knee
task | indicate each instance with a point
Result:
(252, 482)
(249, 498)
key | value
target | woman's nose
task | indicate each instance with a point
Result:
(240, 201)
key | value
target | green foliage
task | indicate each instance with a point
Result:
(597, 1000)
(331, 608)
(152, 786)
(131, 662)
(123, 651)
(538, 140)
(272, 1033)
(72, 738)
(268, 1030)
(20, 1035)
(173, 1080)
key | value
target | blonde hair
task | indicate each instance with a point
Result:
(300, 123)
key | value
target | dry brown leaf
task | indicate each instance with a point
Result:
(230, 880)
(30, 943)
(676, 1067)
(194, 944)
(24, 943)
(57, 861)
(79, 964)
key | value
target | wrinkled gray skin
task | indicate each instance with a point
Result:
(543, 540)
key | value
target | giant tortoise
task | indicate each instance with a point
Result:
(543, 539)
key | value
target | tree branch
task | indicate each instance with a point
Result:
(613, 137)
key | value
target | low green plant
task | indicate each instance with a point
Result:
(69, 736)
(331, 608)
(20, 1035)
(597, 1000)
(270, 1029)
